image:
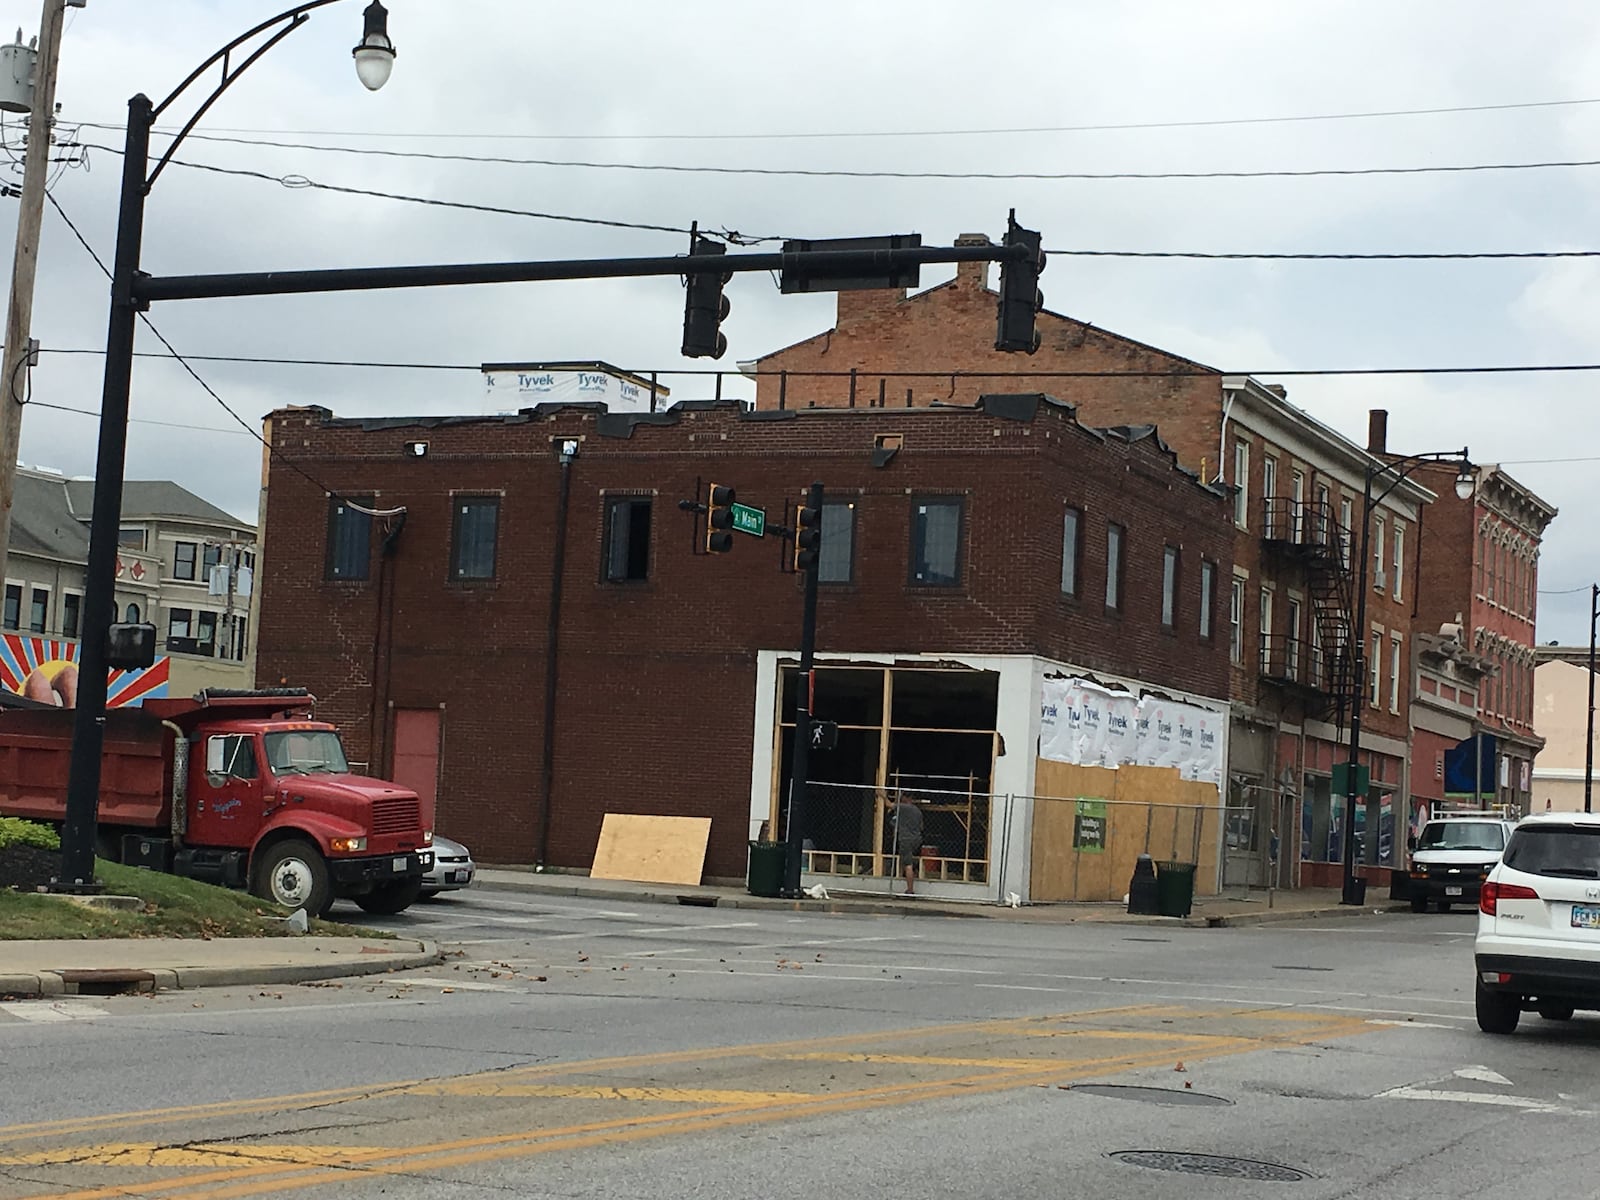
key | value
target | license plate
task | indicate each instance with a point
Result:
(399, 864)
(460, 876)
(1452, 891)
(1585, 916)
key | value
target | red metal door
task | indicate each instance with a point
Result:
(416, 756)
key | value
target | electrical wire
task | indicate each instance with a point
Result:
(95, 412)
(272, 450)
(1564, 591)
(733, 237)
(1215, 122)
(1197, 372)
(850, 173)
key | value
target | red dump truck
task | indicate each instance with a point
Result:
(241, 788)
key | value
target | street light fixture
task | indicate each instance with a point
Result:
(374, 59)
(1466, 483)
(375, 54)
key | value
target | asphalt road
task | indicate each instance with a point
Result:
(576, 1049)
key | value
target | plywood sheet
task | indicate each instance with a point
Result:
(651, 849)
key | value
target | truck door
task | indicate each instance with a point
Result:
(225, 791)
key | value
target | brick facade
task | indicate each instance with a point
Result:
(1481, 571)
(656, 678)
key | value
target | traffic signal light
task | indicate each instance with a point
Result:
(719, 519)
(704, 306)
(1020, 297)
(807, 536)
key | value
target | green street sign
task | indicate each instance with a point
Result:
(749, 520)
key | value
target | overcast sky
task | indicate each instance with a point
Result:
(711, 83)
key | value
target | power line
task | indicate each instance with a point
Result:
(853, 173)
(95, 412)
(272, 451)
(1197, 372)
(295, 182)
(1564, 591)
(1216, 122)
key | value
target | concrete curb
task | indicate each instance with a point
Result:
(1037, 914)
(62, 983)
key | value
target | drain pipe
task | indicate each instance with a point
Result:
(567, 451)
(180, 784)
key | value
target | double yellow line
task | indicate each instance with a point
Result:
(270, 1168)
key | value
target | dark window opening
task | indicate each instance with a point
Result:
(936, 543)
(472, 547)
(628, 540)
(349, 538)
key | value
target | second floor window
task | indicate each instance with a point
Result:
(1378, 580)
(349, 538)
(628, 539)
(936, 543)
(183, 560)
(1241, 484)
(472, 538)
(70, 607)
(13, 610)
(1169, 587)
(1236, 622)
(1208, 588)
(1070, 541)
(1115, 539)
(38, 610)
(836, 562)
(1399, 558)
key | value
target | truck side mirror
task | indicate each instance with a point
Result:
(214, 750)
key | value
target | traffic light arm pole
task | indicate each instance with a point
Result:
(150, 288)
(800, 767)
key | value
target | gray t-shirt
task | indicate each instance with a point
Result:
(907, 823)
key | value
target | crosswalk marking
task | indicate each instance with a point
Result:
(46, 1013)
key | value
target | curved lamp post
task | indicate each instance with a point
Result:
(1466, 482)
(374, 58)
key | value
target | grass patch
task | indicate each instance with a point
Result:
(173, 907)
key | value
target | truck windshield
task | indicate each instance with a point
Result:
(306, 752)
(1461, 835)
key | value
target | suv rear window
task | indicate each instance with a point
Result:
(1462, 835)
(1562, 851)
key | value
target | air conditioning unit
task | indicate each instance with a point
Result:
(1380, 579)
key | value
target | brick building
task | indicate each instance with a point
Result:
(1296, 511)
(1480, 564)
(969, 554)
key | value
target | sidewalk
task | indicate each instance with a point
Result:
(115, 966)
(1208, 911)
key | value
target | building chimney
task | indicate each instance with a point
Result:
(1278, 390)
(973, 275)
(1378, 431)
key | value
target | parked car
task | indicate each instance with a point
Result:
(1538, 944)
(1451, 857)
(452, 868)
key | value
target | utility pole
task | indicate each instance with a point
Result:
(1588, 736)
(19, 315)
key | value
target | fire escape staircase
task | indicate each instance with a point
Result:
(1322, 669)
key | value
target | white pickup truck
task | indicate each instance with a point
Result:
(1452, 855)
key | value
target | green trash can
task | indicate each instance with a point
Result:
(767, 860)
(1175, 888)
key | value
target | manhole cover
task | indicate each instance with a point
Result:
(1211, 1164)
(1150, 1095)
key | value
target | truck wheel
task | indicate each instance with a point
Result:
(391, 898)
(293, 875)
(1498, 1012)
(1419, 904)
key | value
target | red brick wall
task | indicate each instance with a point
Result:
(657, 680)
(951, 328)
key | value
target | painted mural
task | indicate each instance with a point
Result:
(46, 669)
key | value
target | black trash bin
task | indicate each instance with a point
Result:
(767, 860)
(1143, 899)
(1175, 888)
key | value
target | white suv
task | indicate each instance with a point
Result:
(1538, 944)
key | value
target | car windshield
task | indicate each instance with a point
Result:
(1565, 851)
(306, 752)
(1462, 835)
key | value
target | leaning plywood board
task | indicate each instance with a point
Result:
(651, 849)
